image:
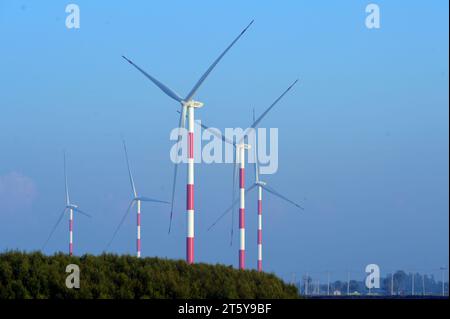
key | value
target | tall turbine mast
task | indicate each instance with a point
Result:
(242, 148)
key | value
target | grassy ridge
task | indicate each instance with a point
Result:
(34, 275)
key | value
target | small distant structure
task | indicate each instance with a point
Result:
(337, 293)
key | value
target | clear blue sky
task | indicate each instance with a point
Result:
(364, 136)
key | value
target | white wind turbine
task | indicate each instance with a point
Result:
(136, 199)
(187, 106)
(260, 184)
(235, 145)
(71, 208)
(263, 185)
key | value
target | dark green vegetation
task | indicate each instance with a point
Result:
(34, 275)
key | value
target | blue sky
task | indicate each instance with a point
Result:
(363, 136)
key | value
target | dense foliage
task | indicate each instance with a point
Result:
(34, 275)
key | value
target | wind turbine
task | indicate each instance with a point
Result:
(71, 208)
(258, 183)
(187, 106)
(252, 127)
(136, 199)
(263, 185)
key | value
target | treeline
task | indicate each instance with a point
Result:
(34, 275)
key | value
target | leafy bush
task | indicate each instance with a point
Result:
(34, 275)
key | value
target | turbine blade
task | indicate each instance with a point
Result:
(230, 208)
(121, 222)
(208, 71)
(65, 180)
(174, 183)
(217, 134)
(274, 192)
(163, 87)
(148, 199)
(255, 123)
(182, 122)
(182, 125)
(130, 175)
(82, 212)
(54, 227)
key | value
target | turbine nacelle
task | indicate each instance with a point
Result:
(192, 103)
(71, 206)
(260, 183)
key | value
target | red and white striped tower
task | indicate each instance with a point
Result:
(259, 239)
(71, 232)
(138, 221)
(190, 188)
(242, 148)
